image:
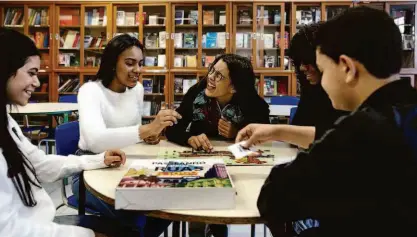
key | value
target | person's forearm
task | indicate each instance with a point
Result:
(301, 136)
(147, 130)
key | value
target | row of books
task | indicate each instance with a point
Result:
(245, 17)
(209, 17)
(274, 40)
(68, 84)
(190, 19)
(155, 61)
(69, 17)
(273, 87)
(153, 20)
(14, 17)
(214, 40)
(153, 86)
(92, 61)
(271, 61)
(124, 18)
(244, 40)
(151, 108)
(185, 61)
(96, 17)
(38, 17)
(41, 39)
(94, 41)
(69, 39)
(182, 85)
(185, 40)
(267, 18)
(155, 40)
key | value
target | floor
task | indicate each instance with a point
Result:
(54, 190)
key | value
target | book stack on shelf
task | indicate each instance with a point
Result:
(69, 17)
(245, 17)
(155, 41)
(214, 40)
(244, 40)
(68, 84)
(38, 17)
(41, 39)
(275, 87)
(96, 17)
(14, 17)
(181, 19)
(306, 17)
(127, 18)
(182, 85)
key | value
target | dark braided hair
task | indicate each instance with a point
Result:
(20, 169)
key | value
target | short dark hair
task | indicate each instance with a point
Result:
(111, 53)
(302, 48)
(368, 35)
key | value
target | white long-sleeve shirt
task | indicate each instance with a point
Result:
(109, 120)
(18, 220)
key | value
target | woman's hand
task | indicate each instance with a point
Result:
(152, 140)
(165, 118)
(114, 158)
(256, 134)
(200, 141)
(226, 129)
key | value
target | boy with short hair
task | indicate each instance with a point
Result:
(360, 177)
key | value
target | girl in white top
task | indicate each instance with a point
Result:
(25, 207)
(110, 115)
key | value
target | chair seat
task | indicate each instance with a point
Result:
(110, 227)
(73, 202)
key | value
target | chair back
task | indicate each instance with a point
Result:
(67, 136)
(292, 114)
(284, 100)
(67, 99)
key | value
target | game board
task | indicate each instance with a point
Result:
(265, 157)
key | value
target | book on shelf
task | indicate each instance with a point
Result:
(68, 60)
(147, 85)
(120, 18)
(178, 85)
(14, 17)
(95, 17)
(70, 39)
(69, 17)
(130, 18)
(221, 40)
(193, 16)
(191, 60)
(306, 17)
(150, 61)
(179, 17)
(162, 39)
(151, 40)
(38, 17)
(269, 61)
(94, 41)
(268, 41)
(68, 85)
(92, 61)
(146, 108)
(161, 60)
(124, 18)
(239, 40)
(41, 39)
(178, 61)
(245, 17)
(189, 40)
(176, 184)
(187, 84)
(178, 40)
(222, 18)
(211, 40)
(208, 17)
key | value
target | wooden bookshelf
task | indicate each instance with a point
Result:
(250, 21)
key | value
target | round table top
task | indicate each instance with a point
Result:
(44, 108)
(248, 181)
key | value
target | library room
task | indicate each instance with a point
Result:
(207, 118)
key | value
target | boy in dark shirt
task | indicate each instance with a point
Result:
(360, 177)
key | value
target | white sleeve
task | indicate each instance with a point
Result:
(50, 168)
(14, 225)
(93, 129)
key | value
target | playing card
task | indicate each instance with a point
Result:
(239, 151)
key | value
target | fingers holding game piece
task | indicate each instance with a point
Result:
(205, 142)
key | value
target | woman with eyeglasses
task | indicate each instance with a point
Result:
(217, 108)
(220, 105)
(315, 113)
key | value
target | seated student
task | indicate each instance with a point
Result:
(110, 114)
(25, 207)
(315, 113)
(220, 105)
(360, 177)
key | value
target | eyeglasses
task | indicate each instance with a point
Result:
(216, 74)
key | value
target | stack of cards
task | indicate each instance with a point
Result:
(239, 151)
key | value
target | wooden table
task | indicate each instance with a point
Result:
(247, 179)
(46, 108)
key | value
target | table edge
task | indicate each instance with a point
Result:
(182, 217)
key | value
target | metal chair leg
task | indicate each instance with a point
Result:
(81, 204)
(166, 233)
(176, 229)
(184, 229)
(265, 230)
(252, 230)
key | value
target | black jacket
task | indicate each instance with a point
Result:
(315, 108)
(255, 110)
(358, 179)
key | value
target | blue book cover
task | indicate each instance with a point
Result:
(211, 40)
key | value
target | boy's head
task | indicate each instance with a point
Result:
(358, 52)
